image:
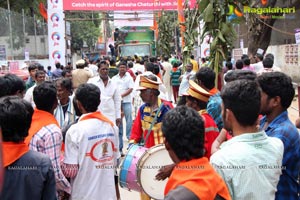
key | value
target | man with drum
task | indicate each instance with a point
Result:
(145, 121)
(146, 114)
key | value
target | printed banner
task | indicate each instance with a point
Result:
(122, 5)
(56, 32)
(133, 19)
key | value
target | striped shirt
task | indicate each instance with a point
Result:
(175, 76)
(48, 140)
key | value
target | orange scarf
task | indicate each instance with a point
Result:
(198, 176)
(40, 119)
(13, 151)
(97, 115)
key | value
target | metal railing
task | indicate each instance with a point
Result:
(20, 33)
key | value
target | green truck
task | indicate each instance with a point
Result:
(138, 40)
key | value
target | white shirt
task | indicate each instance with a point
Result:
(229, 71)
(93, 145)
(110, 105)
(250, 164)
(258, 66)
(266, 70)
(166, 78)
(184, 84)
(124, 83)
(29, 95)
(94, 69)
(139, 68)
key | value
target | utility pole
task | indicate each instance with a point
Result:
(175, 36)
(10, 31)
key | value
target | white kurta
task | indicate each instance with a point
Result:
(110, 105)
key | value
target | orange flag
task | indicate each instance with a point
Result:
(43, 11)
(155, 24)
(181, 20)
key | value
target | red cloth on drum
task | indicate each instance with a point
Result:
(143, 121)
(198, 176)
(211, 132)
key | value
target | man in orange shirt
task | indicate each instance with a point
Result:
(196, 98)
(193, 177)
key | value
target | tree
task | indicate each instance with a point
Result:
(30, 7)
(260, 27)
(216, 25)
(84, 28)
(191, 24)
(165, 35)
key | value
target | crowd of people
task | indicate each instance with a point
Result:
(63, 129)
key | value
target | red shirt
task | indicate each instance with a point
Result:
(143, 121)
(211, 132)
(131, 74)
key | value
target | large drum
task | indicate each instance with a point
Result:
(151, 161)
(128, 172)
(139, 168)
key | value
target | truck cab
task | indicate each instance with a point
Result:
(138, 41)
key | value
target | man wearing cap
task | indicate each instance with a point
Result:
(149, 93)
(80, 75)
(149, 71)
(144, 120)
(197, 98)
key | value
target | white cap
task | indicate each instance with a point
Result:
(80, 62)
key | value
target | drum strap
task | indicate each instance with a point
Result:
(152, 123)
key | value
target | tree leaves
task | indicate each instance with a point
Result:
(165, 36)
(208, 13)
(221, 31)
